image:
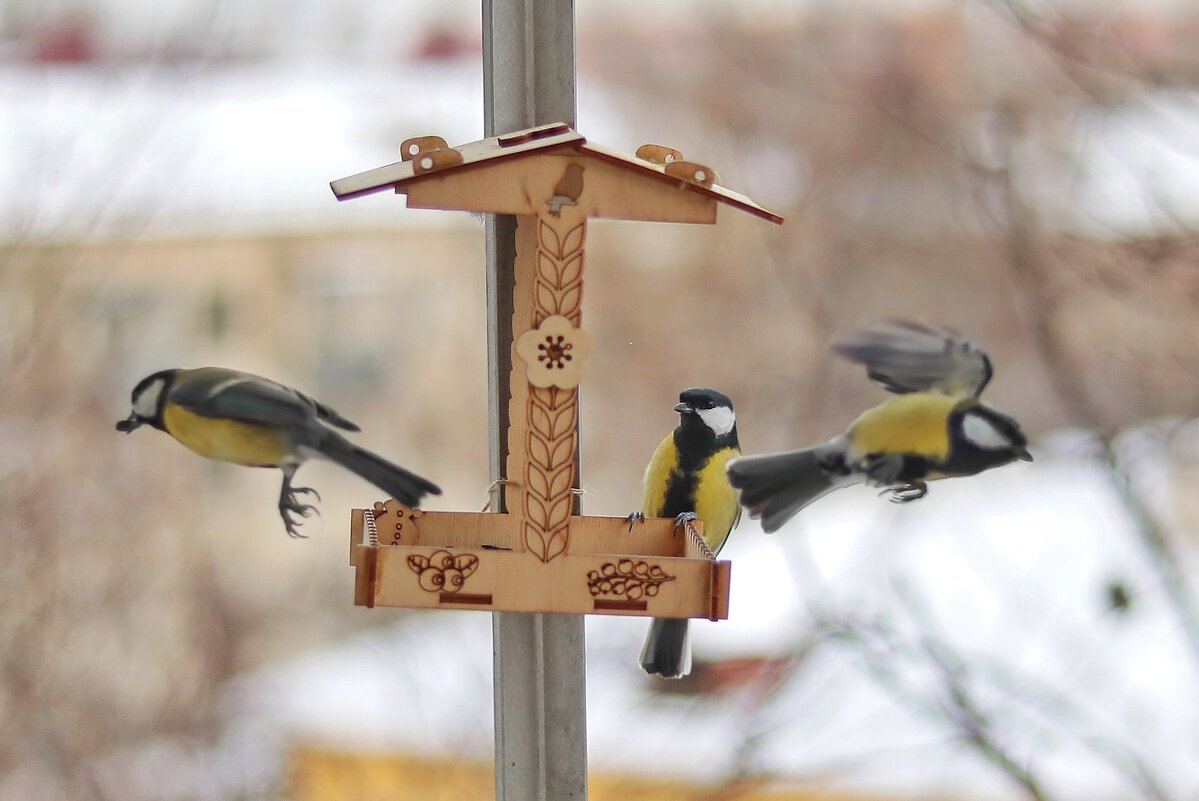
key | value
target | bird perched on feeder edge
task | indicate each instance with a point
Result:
(936, 427)
(686, 480)
(248, 420)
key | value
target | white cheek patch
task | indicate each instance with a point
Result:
(146, 404)
(721, 419)
(980, 431)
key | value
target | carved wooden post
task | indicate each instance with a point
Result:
(548, 352)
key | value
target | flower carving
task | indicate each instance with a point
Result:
(441, 571)
(554, 353)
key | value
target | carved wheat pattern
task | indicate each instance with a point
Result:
(559, 285)
(549, 472)
(553, 412)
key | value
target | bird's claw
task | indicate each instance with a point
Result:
(304, 509)
(907, 493)
(289, 506)
(305, 490)
(685, 518)
(291, 524)
(635, 517)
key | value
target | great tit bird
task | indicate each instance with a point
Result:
(936, 427)
(686, 480)
(244, 419)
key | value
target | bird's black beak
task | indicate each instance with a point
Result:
(129, 424)
(1023, 455)
(684, 408)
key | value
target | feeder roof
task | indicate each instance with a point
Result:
(428, 159)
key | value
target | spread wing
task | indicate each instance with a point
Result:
(910, 357)
(217, 392)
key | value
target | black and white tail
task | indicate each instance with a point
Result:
(774, 487)
(405, 486)
(667, 650)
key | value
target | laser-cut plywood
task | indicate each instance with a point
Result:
(540, 556)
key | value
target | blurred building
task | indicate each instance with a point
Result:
(323, 775)
(1027, 179)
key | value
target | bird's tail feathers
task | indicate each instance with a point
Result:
(667, 651)
(405, 486)
(775, 486)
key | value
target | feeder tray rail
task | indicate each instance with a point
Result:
(463, 560)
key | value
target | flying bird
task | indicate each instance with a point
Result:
(935, 427)
(248, 420)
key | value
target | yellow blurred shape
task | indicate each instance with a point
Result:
(321, 774)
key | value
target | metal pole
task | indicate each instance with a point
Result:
(540, 672)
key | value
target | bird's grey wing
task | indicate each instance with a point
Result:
(216, 392)
(910, 357)
(329, 415)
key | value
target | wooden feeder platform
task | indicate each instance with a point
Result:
(463, 560)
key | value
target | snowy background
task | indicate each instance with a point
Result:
(1026, 175)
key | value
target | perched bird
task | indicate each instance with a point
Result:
(936, 427)
(244, 419)
(686, 480)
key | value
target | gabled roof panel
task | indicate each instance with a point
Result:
(541, 139)
(447, 162)
(715, 191)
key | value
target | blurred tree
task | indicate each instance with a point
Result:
(938, 161)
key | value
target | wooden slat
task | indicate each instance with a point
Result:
(474, 154)
(658, 171)
(355, 534)
(468, 560)
(590, 534)
(513, 581)
(523, 187)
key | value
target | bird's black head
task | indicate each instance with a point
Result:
(701, 408)
(149, 399)
(993, 434)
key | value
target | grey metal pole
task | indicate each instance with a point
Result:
(540, 671)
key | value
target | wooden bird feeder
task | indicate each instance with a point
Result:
(540, 556)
